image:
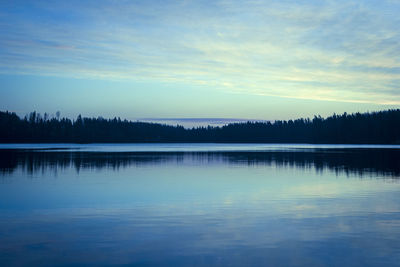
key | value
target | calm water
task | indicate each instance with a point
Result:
(199, 205)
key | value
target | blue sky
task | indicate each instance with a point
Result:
(193, 59)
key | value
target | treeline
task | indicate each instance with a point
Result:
(381, 127)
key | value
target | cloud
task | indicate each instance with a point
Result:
(332, 50)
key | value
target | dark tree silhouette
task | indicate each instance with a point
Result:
(381, 127)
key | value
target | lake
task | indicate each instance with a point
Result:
(199, 205)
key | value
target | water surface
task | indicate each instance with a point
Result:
(199, 205)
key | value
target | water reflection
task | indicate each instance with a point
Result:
(360, 162)
(276, 208)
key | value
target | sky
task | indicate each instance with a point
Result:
(222, 59)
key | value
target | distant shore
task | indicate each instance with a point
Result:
(382, 127)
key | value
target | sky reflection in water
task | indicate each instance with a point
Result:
(333, 207)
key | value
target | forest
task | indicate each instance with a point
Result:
(382, 127)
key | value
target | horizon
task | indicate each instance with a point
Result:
(380, 127)
(200, 59)
(189, 123)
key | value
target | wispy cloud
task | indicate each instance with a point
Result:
(331, 50)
